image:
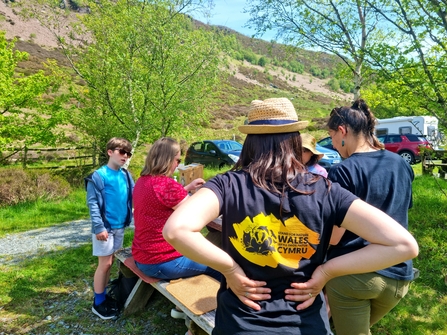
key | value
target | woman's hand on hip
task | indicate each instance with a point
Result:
(247, 290)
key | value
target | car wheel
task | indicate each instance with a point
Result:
(407, 156)
(221, 166)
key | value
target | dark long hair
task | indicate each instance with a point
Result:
(360, 120)
(272, 160)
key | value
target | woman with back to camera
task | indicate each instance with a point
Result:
(276, 225)
(156, 195)
(382, 179)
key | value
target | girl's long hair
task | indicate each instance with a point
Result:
(160, 157)
(272, 160)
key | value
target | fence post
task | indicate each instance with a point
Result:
(94, 154)
(25, 153)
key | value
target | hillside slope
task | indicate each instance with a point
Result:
(245, 82)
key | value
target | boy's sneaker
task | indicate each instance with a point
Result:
(113, 303)
(106, 310)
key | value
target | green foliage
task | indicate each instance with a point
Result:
(411, 65)
(27, 115)
(315, 71)
(262, 61)
(344, 28)
(250, 57)
(346, 85)
(148, 72)
(334, 84)
(296, 66)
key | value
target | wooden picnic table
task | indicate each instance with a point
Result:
(216, 224)
(143, 289)
(435, 158)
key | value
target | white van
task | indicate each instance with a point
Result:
(419, 125)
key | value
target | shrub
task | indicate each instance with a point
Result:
(334, 84)
(74, 176)
(18, 185)
(346, 85)
(262, 61)
(315, 71)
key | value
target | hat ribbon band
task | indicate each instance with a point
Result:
(271, 122)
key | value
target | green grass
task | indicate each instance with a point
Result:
(53, 292)
(39, 214)
(424, 310)
(58, 284)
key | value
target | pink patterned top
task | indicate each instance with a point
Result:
(153, 198)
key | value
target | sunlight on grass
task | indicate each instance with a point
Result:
(60, 277)
(27, 216)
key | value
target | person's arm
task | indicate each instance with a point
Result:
(390, 244)
(183, 232)
(95, 213)
(191, 186)
(196, 183)
(337, 234)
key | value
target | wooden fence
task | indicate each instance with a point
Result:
(71, 157)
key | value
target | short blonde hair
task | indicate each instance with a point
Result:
(160, 157)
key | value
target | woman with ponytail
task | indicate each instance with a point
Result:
(382, 179)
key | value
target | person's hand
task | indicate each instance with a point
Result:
(248, 291)
(307, 291)
(196, 183)
(102, 236)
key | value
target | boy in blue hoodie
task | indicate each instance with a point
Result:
(109, 198)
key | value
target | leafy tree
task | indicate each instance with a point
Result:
(148, 71)
(28, 114)
(344, 28)
(413, 65)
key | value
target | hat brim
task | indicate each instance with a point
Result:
(314, 151)
(273, 129)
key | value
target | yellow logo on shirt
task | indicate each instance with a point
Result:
(266, 241)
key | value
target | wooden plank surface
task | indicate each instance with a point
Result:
(216, 224)
(141, 294)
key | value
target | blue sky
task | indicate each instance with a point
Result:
(229, 13)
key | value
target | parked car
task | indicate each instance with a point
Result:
(326, 143)
(406, 145)
(214, 152)
(330, 158)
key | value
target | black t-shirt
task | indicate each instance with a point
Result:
(382, 179)
(279, 246)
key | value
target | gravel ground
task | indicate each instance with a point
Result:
(59, 309)
(16, 247)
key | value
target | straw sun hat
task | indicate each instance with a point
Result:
(310, 143)
(272, 116)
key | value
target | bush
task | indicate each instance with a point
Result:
(346, 85)
(74, 176)
(334, 84)
(18, 185)
(262, 61)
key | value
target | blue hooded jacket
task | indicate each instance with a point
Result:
(97, 204)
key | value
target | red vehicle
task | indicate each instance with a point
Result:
(406, 145)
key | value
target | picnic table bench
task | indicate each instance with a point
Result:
(435, 158)
(145, 286)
